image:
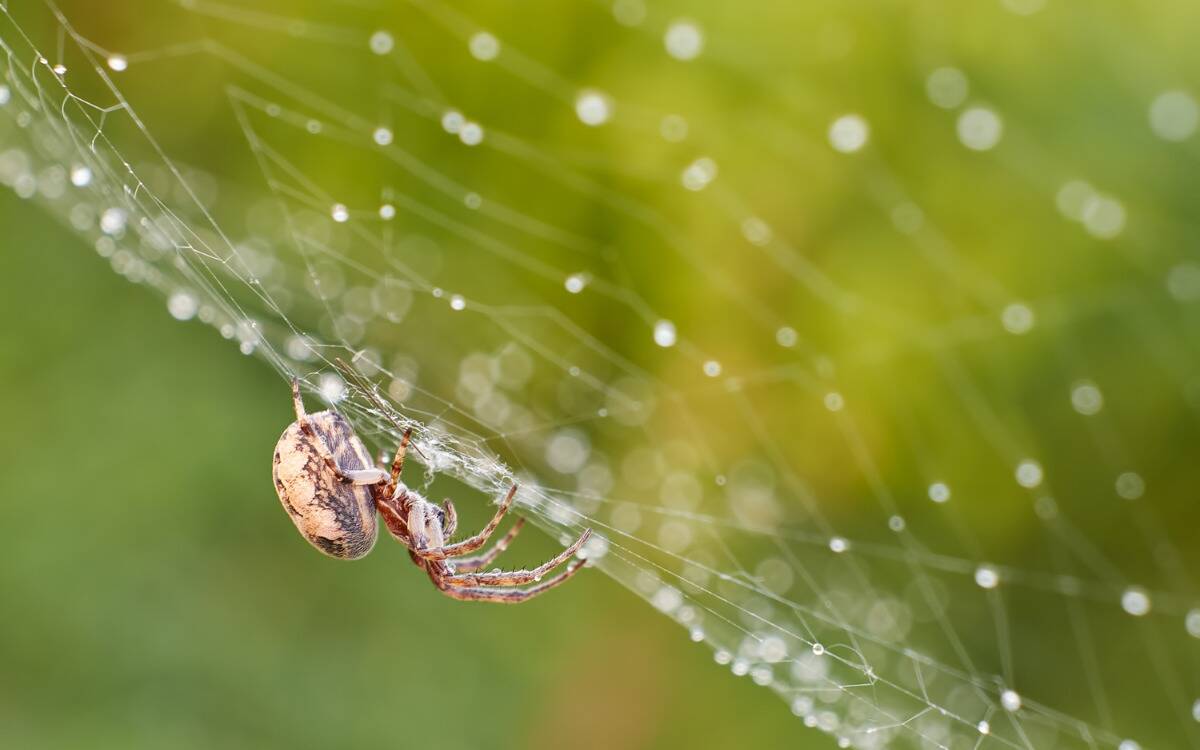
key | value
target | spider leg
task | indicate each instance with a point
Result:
(360, 477)
(472, 564)
(516, 577)
(506, 596)
(451, 523)
(472, 543)
(398, 462)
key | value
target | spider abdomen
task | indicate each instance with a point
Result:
(336, 517)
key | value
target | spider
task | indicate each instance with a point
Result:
(332, 490)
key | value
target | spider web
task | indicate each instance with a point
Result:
(867, 349)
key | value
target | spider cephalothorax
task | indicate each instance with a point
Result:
(331, 489)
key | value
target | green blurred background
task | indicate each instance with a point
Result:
(153, 594)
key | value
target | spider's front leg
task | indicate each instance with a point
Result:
(472, 564)
(472, 543)
(449, 519)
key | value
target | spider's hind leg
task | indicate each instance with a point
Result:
(504, 595)
(516, 577)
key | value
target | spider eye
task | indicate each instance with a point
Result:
(441, 514)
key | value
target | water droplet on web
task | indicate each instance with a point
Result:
(182, 305)
(762, 676)
(1086, 398)
(1103, 216)
(1010, 700)
(80, 175)
(802, 705)
(339, 213)
(1017, 318)
(1029, 473)
(979, 128)
(834, 401)
(947, 87)
(575, 283)
(117, 63)
(331, 387)
(484, 46)
(848, 133)
(112, 221)
(382, 136)
(697, 175)
(471, 133)
(712, 368)
(387, 212)
(683, 40)
(452, 121)
(984, 727)
(1174, 116)
(593, 107)
(1130, 485)
(987, 577)
(381, 42)
(1135, 601)
(5, 95)
(939, 492)
(786, 336)
(664, 333)
(1191, 622)
(457, 302)
(818, 649)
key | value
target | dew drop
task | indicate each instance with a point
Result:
(1010, 700)
(684, 40)
(1135, 601)
(81, 175)
(484, 46)
(381, 42)
(849, 133)
(987, 577)
(593, 107)
(664, 333)
(182, 305)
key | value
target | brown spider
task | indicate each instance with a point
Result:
(331, 489)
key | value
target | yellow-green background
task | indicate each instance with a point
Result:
(152, 593)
